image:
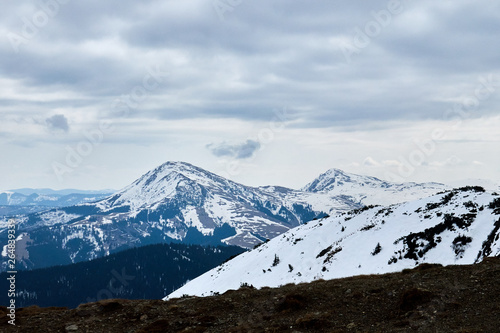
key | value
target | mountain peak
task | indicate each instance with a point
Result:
(168, 169)
(338, 173)
(334, 178)
(165, 182)
(178, 166)
(369, 190)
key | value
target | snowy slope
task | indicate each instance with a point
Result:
(455, 227)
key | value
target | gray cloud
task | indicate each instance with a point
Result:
(58, 122)
(238, 151)
(264, 56)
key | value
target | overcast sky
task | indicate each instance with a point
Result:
(95, 93)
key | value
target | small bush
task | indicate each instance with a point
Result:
(471, 188)
(331, 254)
(486, 247)
(276, 260)
(246, 285)
(362, 209)
(495, 205)
(367, 227)
(447, 198)
(393, 260)
(470, 204)
(324, 251)
(377, 249)
(459, 244)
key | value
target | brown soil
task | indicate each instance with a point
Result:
(429, 298)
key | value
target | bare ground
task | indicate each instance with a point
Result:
(429, 298)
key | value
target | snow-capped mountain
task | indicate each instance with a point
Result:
(183, 203)
(368, 190)
(175, 202)
(177, 196)
(461, 226)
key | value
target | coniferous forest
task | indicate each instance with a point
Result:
(138, 273)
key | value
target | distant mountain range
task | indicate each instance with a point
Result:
(27, 200)
(179, 202)
(460, 226)
(48, 191)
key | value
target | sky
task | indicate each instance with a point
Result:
(93, 94)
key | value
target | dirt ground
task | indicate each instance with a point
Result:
(429, 298)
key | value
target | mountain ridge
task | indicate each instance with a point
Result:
(370, 190)
(179, 202)
(461, 226)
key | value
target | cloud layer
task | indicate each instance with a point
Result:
(151, 67)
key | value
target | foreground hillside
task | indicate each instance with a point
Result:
(461, 226)
(428, 298)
